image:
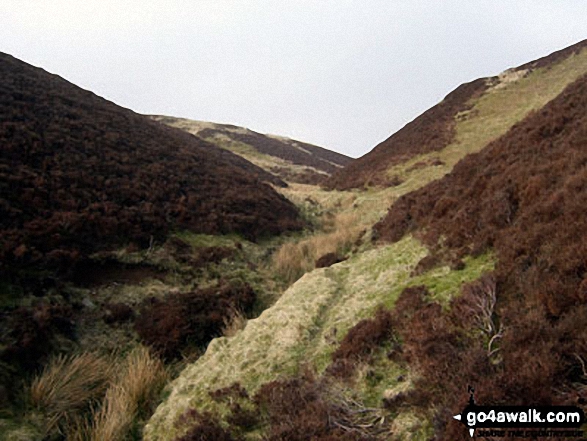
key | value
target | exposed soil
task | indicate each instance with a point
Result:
(79, 174)
(93, 273)
(329, 259)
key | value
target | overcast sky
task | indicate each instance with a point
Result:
(342, 74)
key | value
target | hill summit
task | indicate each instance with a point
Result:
(79, 174)
(465, 121)
(286, 159)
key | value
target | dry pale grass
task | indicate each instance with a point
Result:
(293, 259)
(68, 387)
(130, 396)
(234, 323)
(90, 397)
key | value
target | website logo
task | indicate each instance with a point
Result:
(522, 421)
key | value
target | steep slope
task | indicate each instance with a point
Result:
(523, 196)
(464, 122)
(483, 285)
(302, 329)
(79, 174)
(290, 160)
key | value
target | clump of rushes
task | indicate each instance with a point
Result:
(89, 397)
(68, 387)
(130, 397)
(292, 260)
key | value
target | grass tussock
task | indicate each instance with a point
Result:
(130, 397)
(234, 322)
(68, 387)
(89, 397)
(293, 259)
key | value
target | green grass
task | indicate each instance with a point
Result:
(305, 324)
(208, 240)
(491, 116)
(444, 283)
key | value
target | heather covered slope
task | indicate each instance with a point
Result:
(483, 284)
(79, 174)
(524, 197)
(286, 159)
(465, 121)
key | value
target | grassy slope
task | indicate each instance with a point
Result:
(274, 164)
(299, 328)
(304, 326)
(511, 97)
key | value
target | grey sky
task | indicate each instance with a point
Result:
(338, 73)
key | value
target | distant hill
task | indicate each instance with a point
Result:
(80, 174)
(287, 159)
(465, 121)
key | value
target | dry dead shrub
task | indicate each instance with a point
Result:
(305, 407)
(68, 387)
(204, 427)
(130, 396)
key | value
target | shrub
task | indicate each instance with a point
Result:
(32, 331)
(305, 408)
(118, 313)
(359, 343)
(190, 319)
(203, 427)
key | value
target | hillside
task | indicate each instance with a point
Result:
(107, 219)
(464, 122)
(524, 197)
(80, 174)
(475, 276)
(460, 262)
(287, 159)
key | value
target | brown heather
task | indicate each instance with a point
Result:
(524, 196)
(79, 174)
